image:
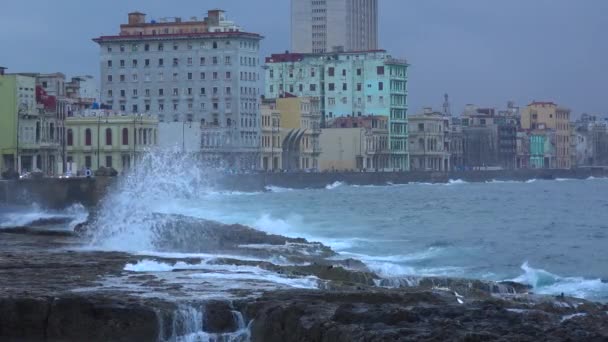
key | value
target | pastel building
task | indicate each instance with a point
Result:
(429, 134)
(549, 116)
(102, 138)
(347, 84)
(19, 124)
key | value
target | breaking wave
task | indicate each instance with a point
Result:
(548, 283)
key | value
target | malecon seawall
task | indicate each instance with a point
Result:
(60, 193)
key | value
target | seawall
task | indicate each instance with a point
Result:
(60, 193)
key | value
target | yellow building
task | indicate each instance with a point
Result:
(99, 138)
(300, 130)
(548, 116)
(272, 151)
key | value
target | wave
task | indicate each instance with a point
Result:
(334, 185)
(34, 214)
(278, 189)
(544, 282)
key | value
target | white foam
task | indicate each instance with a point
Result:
(334, 185)
(530, 181)
(278, 189)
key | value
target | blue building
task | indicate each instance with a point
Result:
(348, 84)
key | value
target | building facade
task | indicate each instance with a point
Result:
(272, 150)
(300, 129)
(429, 135)
(19, 124)
(348, 84)
(334, 25)
(374, 154)
(547, 115)
(102, 138)
(204, 71)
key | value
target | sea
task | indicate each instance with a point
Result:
(550, 234)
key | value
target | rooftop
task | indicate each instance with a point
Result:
(296, 57)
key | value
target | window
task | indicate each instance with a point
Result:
(135, 77)
(161, 47)
(189, 91)
(161, 62)
(331, 86)
(175, 62)
(108, 161)
(215, 90)
(380, 70)
(123, 93)
(215, 75)
(147, 63)
(331, 101)
(189, 60)
(161, 107)
(215, 45)
(110, 93)
(109, 49)
(175, 47)
(134, 92)
(380, 86)
(301, 88)
(202, 91)
(343, 72)
(227, 60)
(202, 75)
(228, 90)
(122, 48)
(313, 87)
(175, 92)
(369, 99)
(122, 78)
(228, 75)
(122, 63)
(175, 76)
(189, 76)
(87, 137)
(175, 106)
(359, 72)
(344, 86)
(147, 92)
(70, 137)
(331, 71)
(108, 136)
(87, 162)
(109, 78)
(109, 66)
(214, 60)
(359, 87)
(125, 136)
(202, 60)
(134, 108)
(134, 63)
(161, 92)
(147, 47)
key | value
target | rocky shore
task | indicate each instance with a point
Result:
(53, 289)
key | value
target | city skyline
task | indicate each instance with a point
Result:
(477, 52)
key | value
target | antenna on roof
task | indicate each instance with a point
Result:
(446, 105)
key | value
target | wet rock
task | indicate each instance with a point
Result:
(219, 317)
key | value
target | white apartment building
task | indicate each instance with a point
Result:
(204, 71)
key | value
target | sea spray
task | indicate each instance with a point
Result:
(128, 220)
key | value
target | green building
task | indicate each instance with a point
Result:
(348, 84)
(18, 120)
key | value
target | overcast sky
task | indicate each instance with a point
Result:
(479, 51)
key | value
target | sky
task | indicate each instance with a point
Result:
(484, 52)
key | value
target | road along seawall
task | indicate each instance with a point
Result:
(61, 193)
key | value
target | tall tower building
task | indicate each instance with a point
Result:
(194, 71)
(319, 26)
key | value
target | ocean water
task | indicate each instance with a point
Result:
(552, 235)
